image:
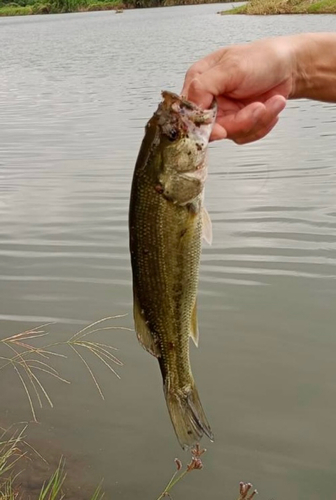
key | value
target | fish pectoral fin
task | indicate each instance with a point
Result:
(144, 335)
(194, 334)
(207, 226)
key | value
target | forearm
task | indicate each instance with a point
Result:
(314, 63)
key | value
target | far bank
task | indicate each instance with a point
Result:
(38, 7)
(273, 7)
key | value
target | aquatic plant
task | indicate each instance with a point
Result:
(245, 492)
(196, 463)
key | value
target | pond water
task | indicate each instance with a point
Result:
(75, 93)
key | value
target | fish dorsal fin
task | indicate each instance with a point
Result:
(145, 336)
(194, 326)
(207, 226)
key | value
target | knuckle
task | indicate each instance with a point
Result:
(262, 123)
(239, 140)
(235, 63)
(191, 73)
(194, 83)
(194, 86)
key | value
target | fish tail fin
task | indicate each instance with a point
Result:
(187, 415)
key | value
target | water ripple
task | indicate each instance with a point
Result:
(75, 93)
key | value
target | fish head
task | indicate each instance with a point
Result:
(184, 131)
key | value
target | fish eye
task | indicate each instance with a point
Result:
(173, 134)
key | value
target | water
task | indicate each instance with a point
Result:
(75, 93)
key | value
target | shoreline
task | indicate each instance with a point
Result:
(281, 7)
(41, 7)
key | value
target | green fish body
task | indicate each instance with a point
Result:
(166, 223)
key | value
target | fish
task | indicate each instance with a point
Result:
(167, 220)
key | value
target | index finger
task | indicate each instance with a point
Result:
(200, 67)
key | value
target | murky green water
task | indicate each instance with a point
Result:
(75, 93)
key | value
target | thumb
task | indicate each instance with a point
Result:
(209, 85)
(198, 94)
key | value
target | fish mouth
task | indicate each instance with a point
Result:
(184, 118)
(188, 109)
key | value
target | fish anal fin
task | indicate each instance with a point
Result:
(194, 334)
(207, 226)
(144, 335)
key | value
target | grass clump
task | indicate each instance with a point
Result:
(38, 7)
(16, 10)
(11, 454)
(272, 7)
(101, 6)
(29, 354)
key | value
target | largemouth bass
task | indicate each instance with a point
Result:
(166, 221)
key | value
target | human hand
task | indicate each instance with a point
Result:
(250, 83)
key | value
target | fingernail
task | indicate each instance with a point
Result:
(278, 105)
(198, 95)
(258, 112)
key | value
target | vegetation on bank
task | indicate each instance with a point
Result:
(30, 7)
(12, 456)
(54, 7)
(28, 355)
(271, 7)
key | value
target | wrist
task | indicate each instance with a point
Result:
(302, 48)
(314, 66)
